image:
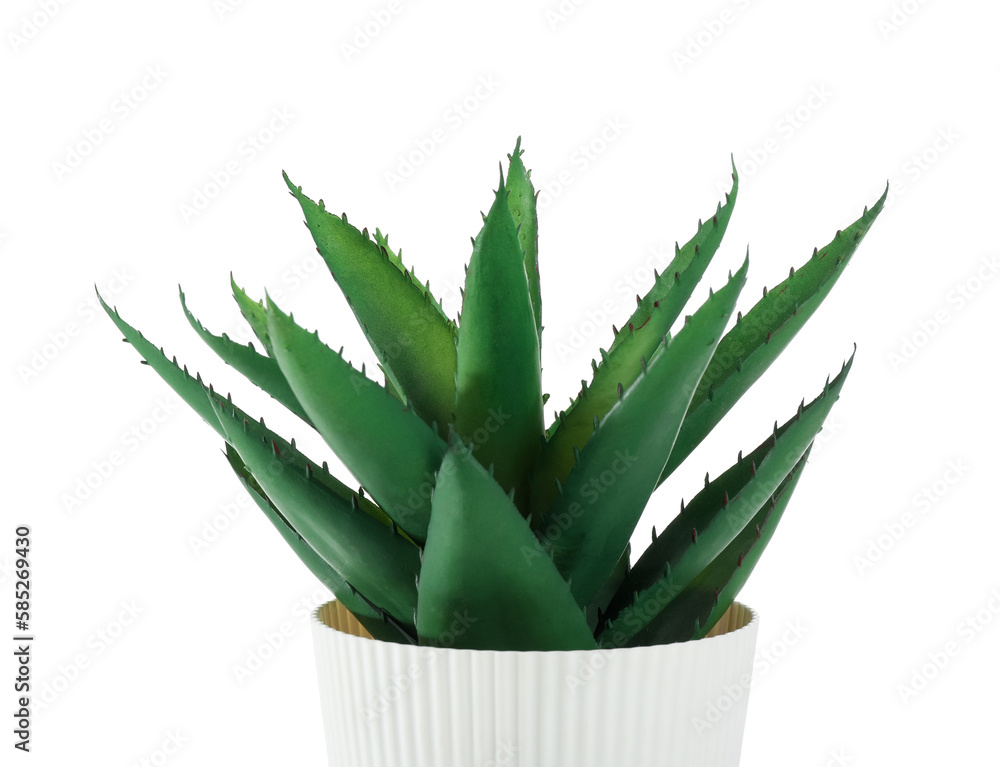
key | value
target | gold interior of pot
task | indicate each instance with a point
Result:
(338, 617)
(736, 617)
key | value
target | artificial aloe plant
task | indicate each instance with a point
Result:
(471, 512)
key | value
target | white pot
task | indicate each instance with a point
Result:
(394, 705)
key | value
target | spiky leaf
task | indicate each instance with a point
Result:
(672, 289)
(253, 313)
(189, 387)
(655, 314)
(522, 205)
(499, 389)
(693, 612)
(599, 604)
(261, 370)
(608, 488)
(391, 451)
(376, 621)
(372, 556)
(707, 525)
(482, 584)
(403, 322)
(763, 333)
(620, 367)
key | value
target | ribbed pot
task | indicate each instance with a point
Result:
(395, 705)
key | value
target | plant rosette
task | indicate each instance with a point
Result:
(488, 552)
(386, 704)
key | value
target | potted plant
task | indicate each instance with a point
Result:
(487, 611)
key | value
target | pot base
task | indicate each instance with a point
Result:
(395, 705)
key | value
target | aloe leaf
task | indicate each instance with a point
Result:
(673, 287)
(253, 312)
(522, 202)
(655, 314)
(291, 453)
(763, 333)
(404, 323)
(621, 366)
(483, 585)
(188, 387)
(499, 389)
(373, 557)
(391, 451)
(261, 370)
(708, 524)
(696, 610)
(375, 620)
(598, 605)
(591, 520)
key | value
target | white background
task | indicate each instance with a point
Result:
(117, 115)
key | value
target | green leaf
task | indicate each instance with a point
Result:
(253, 313)
(672, 289)
(483, 585)
(376, 621)
(591, 521)
(388, 448)
(696, 610)
(522, 202)
(189, 388)
(619, 367)
(499, 400)
(708, 524)
(655, 314)
(403, 322)
(597, 606)
(373, 557)
(260, 370)
(760, 336)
